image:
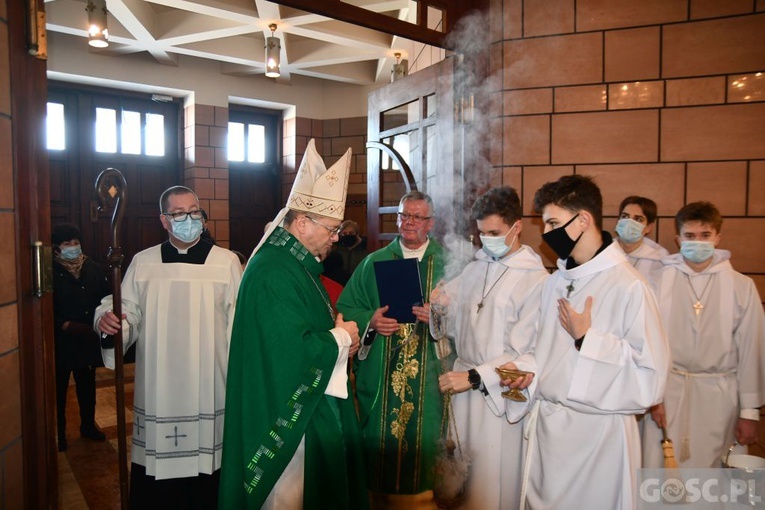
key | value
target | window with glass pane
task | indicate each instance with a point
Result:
(235, 141)
(106, 130)
(256, 143)
(131, 132)
(155, 134)
(55, 127)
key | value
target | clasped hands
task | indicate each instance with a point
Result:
(387, 326)
(353, 330)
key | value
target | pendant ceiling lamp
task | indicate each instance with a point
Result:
(399, 69)
(98, 34)
(273, 53)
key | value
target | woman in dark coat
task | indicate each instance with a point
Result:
(78, 286)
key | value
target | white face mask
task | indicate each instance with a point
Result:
(495, 246)
(629, 230)
(71, 252)
(187, 230)
(697, 251)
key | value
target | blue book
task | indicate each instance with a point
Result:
(399, 287)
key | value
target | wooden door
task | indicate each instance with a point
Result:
(73, 171)
(411, 146)
(28, 400)
(254, 186)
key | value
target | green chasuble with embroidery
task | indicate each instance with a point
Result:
(281, 358)
(400, 406)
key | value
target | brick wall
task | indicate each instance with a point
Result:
(11, 464)
(333, 137)
(662, 98)
(206, 164)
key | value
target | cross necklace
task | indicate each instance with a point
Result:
(697, 306)
(326, 301)
(484, 292)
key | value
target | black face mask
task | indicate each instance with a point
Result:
(559, 240)
(347, 240)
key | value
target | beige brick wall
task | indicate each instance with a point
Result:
(206, 164)
(333, 137)
(11, 465)
(663, 98)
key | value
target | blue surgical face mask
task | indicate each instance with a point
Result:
(629, 230)
(495, 246)
(187, 230)
(697, 251)
(71, 252)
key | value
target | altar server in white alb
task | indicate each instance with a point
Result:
(716, 330)
(178, 306)
(601, 357)
(492, 312)
(637, 219)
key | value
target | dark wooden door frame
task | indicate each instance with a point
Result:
(35, 315)
(434, 80)
(80, 164)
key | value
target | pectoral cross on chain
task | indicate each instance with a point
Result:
(570, 289)
(698, 307)
(480, 305)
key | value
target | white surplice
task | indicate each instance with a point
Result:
(583, 443)
(647, 260)
(179, 316)
(503, 330)
(718, 360)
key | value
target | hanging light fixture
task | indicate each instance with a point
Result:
(399, 69)
(273, 53)
(98, 34)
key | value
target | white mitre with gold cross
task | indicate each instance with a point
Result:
(318, 189)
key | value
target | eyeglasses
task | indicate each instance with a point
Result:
(181, 216)
(332, 231)
(404, 217)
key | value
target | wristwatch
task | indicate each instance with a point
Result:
(474, 378)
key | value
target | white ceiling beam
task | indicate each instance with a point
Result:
(232, 32)
(138, 18)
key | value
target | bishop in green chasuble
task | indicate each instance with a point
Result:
(400, 406)
(292, 438)
(281, 359)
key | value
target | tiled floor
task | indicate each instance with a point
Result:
(89, 470)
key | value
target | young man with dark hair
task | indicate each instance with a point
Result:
(600, 357)
(492, 313)
(637, 219)
(716, 329)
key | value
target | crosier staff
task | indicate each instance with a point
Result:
(111, 184)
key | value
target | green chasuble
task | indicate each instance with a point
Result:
(281, 358)
(400, 405)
